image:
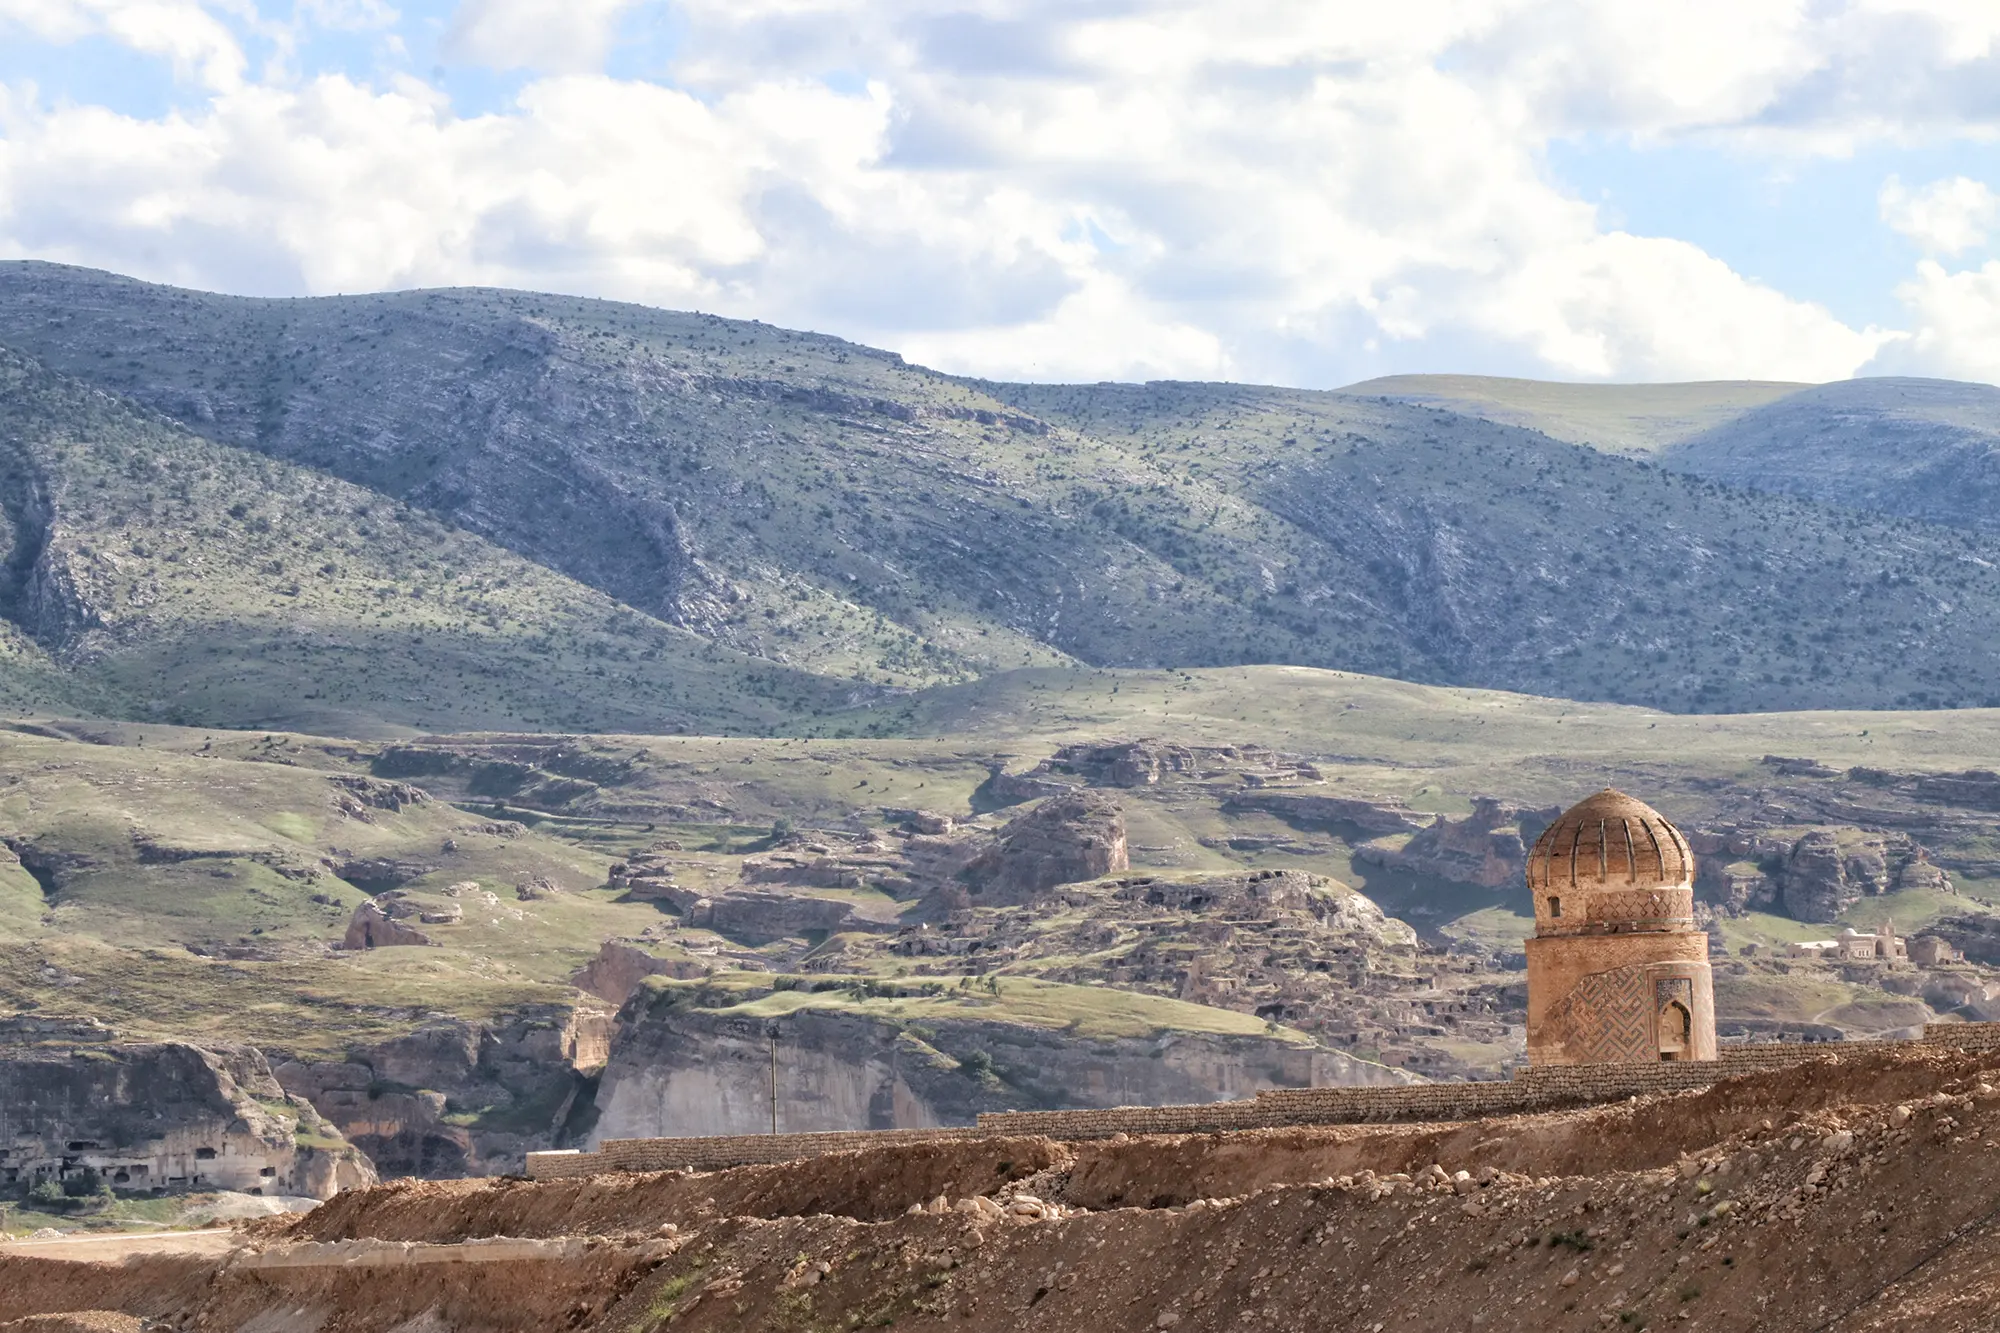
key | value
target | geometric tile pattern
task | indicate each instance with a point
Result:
(1609, 1016)
(1641, 907)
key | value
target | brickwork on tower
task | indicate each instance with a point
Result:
(1617, 971)
(1543, 1088)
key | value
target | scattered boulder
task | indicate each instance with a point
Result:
(372, 927)
(621, 965)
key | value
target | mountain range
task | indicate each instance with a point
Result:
(490, 509)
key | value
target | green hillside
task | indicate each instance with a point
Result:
(194, 880)
(1915, 448)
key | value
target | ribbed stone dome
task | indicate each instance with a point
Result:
(1611, 863)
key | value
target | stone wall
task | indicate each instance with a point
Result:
(718, 1151)
(1545, 1088)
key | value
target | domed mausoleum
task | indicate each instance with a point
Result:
(1616, 969)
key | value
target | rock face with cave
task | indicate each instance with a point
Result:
(1617, 970)
(79, 1105)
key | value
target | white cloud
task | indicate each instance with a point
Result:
(1946, 217)
(1102, 330)
(552, 36)
(199, 46)
(1254, 188)
(594, 185)
(1956, 319)
(1593, 310)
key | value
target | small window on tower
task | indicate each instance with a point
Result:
(1555, 905)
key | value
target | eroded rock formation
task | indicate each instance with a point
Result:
(677, 1069)
(1065, 840)
(1489, 847)
(156, 1116)
(375, 925)
(460, 1098)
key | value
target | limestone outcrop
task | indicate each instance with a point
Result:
(1145, 763)
(678, 1069)
(621, 965)
(1286, 945)
(1065, 840)
(1814, 874)
(1343, 815)
(158, 1116)
(455, 1097)
(1976, 937)
(376, 925)
(1489, 847)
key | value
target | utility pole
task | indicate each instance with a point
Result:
(772, 1031)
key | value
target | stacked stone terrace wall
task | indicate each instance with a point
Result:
(718, 1151)
(1545, 1088)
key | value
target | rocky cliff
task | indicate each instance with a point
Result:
(1065, 840)
(680, 1068)
(1489, 847)
(1814, 874)
(456, 1097)
(158, 1116)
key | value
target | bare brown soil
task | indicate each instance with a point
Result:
(81, 1321)
(1855, 1193)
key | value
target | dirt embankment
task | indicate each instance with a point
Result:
(1854, 1194)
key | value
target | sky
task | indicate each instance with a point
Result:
(1297, 193)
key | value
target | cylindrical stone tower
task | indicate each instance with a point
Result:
(1617, 970)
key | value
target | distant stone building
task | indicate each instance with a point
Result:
(1617, 970)
(1853, 946)
(1930, 951)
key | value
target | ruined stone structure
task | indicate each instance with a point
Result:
(1617, 971)
(1853, 946)
(79, 1102)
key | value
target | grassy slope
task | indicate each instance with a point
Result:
(155, 855)
(1087, 1011)
(1636, 419)
(216, 586)
(1427, 728)
(167, 845)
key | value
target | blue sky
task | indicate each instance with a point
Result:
(1302, 193)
